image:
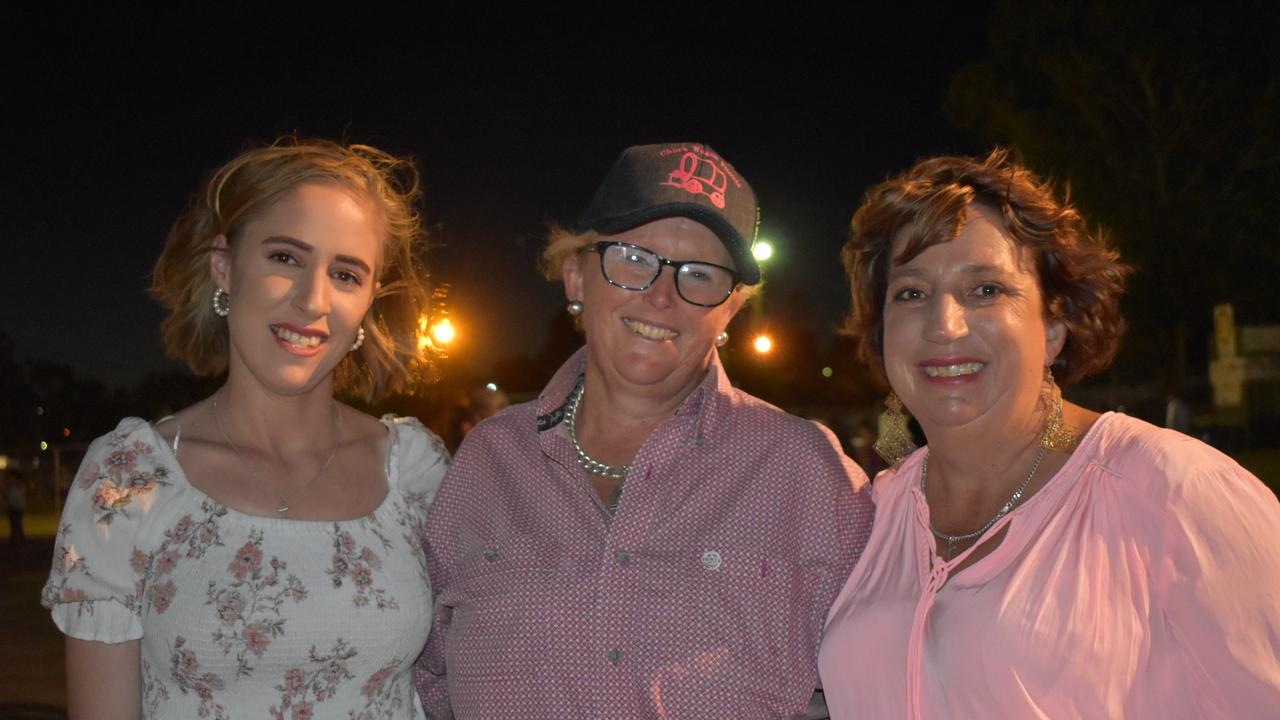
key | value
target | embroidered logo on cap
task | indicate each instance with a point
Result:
(699, 174)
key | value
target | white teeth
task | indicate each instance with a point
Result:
(947, 371)
(649, 331)
(297, 339)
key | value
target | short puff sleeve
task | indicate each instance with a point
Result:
(95, 588)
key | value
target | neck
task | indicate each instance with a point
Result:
(614, 418)
(977, 460)
(276, 424)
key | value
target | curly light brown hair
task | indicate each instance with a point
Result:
(1081, 276)
(252, 182)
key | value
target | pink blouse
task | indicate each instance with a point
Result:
(1142, 581)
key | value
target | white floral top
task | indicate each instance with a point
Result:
(242, 616)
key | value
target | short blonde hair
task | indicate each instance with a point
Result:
(561, 243)
(252, 182)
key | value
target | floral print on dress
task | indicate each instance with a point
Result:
(187, 539)
(185, 670)
(119, 478)
(358, 566)
(382, 702)
(315, 683)
(249, 608)
(215, 592)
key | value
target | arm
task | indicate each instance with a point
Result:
(103, 680)
(837, 527)
(442, 542)
(1218, 587)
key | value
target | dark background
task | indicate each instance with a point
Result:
(1162, 119)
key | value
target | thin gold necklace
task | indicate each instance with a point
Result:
(282, 508)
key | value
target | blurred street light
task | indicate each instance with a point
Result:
(762, 250)
(763, 344)
(443, 332)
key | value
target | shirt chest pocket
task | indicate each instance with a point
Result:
(746, 616)
(509, 596)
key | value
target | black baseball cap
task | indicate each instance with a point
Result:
(648, 182)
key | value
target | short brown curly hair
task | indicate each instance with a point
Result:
(252, 182)
(1081, 276)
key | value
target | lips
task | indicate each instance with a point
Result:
(299, 338)
(651, 332)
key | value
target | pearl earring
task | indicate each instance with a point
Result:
(359, 339)
(574, 308)
(221, 302)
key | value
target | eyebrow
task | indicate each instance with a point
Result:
(307, 247)
(970, 269)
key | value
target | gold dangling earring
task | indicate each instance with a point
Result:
(895, 441)
(1057, 434)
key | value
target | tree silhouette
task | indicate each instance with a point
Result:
(1163, 118)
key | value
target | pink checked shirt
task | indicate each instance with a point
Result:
(1142, 581)
(704, 597)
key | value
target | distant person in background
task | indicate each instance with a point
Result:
(258, 554)
(15, 498)
(643, 540)
(1035, 559)
(483, 402)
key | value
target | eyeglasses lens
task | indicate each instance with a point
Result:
(636, 268)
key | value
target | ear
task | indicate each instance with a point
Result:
(1055, 336)
(571, 269)
(735, 303)
(220, 262)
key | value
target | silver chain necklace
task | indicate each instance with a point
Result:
(282, 508)
(951, 540)
(585, 461)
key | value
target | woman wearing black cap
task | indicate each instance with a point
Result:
(643, 539)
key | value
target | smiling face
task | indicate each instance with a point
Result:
(301, 277)
(651, 339)
(965, 335)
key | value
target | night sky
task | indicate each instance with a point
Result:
(513, 117)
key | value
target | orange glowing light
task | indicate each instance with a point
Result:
(763, 344)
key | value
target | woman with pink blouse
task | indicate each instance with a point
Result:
(1036, 559)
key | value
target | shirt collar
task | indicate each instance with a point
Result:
(705, 404)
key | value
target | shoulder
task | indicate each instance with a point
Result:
(127, 475)
(417, 455)
(1153, 460)
(744, 412)
(893, 484)
(1173, 486)
(516, 426)
(776, 440)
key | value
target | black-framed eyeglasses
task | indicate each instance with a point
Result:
(632, 267)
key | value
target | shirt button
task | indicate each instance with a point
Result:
(615, 655)
(711, 560)
(491, 554)
(623, 557)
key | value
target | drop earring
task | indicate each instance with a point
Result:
(359, 339)
(895, 441)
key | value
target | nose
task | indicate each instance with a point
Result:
(946, 321)
(662, 293)
(311, 293)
